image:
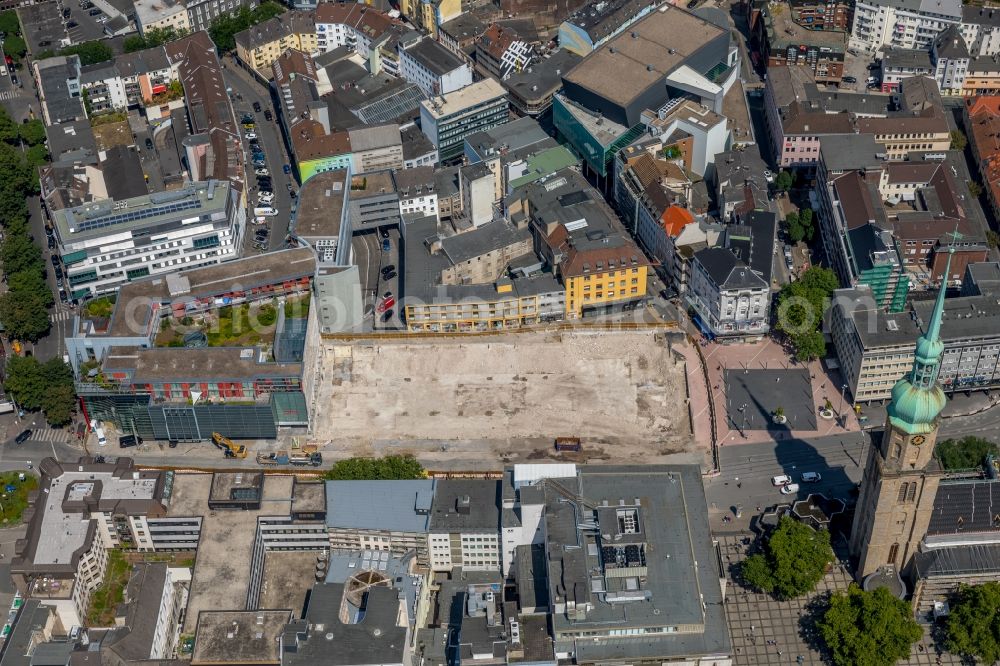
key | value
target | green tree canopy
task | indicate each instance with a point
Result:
(8, 128)
(809, 346)
(32, 132)
(47, 386)
(793, 561)
(965, 453)
(784, 181)
(9, 25)
(24, 316)
(91, 52)
(15, 47)
(973, 626)
(868, 628)
(801, 305)
(958, 140)
(385, 468)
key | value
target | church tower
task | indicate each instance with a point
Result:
(901, 476)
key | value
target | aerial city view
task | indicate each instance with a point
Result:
(499, 332)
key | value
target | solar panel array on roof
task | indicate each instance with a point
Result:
(133, 215)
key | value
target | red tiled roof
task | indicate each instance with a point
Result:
(675, 218)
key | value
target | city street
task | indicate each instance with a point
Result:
(246, 91)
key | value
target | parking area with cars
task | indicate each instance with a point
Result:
(378, 257)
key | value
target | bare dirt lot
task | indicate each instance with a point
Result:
(504, 398)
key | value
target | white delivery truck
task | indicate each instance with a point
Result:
(265, 211)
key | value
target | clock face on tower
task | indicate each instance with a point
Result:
(918, 440)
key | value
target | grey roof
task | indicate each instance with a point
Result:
(966, 507)
(434, 56)
(755, 245)
(543, 77)
(32, 618)
(983, 276)
(72, 142)
(415, 181)
(949, 8)
(322, 638)
(986, 16)
(602, 18)
(949, 44)
(515, 135)
(679, 583)
(841, 152)
(907, 59)
(465, 27)
(374, 137)
(466, 504)
(123, 174)
(398, 506)
(54, 74)
(415, 142)
(727, 270)
(958, 561)
(134, 640)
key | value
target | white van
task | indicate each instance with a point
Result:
(265, 211)
(102, 439)
(789, 489)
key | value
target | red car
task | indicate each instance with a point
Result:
(385, 304)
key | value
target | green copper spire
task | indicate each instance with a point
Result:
(917, 399)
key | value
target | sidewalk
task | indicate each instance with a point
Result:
(701, 419)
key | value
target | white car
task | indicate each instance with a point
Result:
(782, 480)
(265, 198)
(790, 489)
(262, 172)
(811, 477)
(251, 135)
(768, 176)
(260, 220)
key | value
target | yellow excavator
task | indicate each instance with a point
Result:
(229, 447)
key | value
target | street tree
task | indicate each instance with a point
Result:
(958, 140)
(91, 52)
(784, 181)
(965, 453)
(385, 468)
(809, 346)
(47, 386)
(24, 316)
(32, 132)
(868, 628)
(793, 561)
(973, 626)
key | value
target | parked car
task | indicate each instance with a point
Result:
(388, 269)
(23, 437)
(849, 79)
(386, 304)
(385, 232)
(268, 116)
(62, 295)
(789, 489)
(265, 197)
(249, 124)
(149, 143)
(386, 245)
(262, 172)
(127, 441)
(95, 12)
(51, 242)
(251, 136)
(71, 24)
(389, 276)
(260, 220)
(387, 315)
(246, 118)
(780, 480)
(287, 168)
(811, 477)
(256, 107)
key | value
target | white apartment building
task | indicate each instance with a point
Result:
(83, 509)
(981, 30)
(107, 243)
(417, 191)
(465, 525)
(354, 25)
(905, 24)
(433, 67)
(186, 15)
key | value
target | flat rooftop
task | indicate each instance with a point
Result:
(134, 305)
(239, 637)
(107, 217)
(466, 504)
(321, 205)
(398, 506)
(465, 98)
(222, 573)
(168, 364)
(625, 66)
(784, 32)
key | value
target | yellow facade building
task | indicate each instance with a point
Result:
(593, 289)
(429, 14)
(258, 47)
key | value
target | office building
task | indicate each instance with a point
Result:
(155, 367)
(485, 278)
(730, 288)
(465, 525)
(238, 636)
(532, 89)
(631, 572)
(899, 64)
(106, 244)
(448, 119)
(437, 70)
(82, 511)
(392, 516)
(374, 148)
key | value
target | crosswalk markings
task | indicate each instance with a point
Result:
(8, 94)
(62, 315)
(51, 435)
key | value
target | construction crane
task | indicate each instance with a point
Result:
(229, 447)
